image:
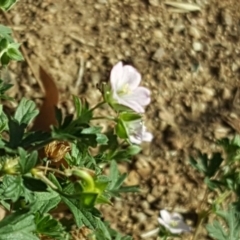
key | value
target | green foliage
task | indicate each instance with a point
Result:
(9, 51)
(19, 225)
(228, 229)
(3, 88)
(232, 148)
(12, 188)
(116, 180)
(207, 166)
(104, 231)
(27, 161)
(5, 33)
(46, 225)
(6, 4)
(36, 177)
(26, 112)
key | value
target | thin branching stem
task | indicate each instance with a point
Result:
(97, 106)
(51, 169)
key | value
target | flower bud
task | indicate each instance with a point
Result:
(10, 166)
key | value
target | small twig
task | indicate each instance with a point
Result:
(183, 7)
(51, 169)
(80, 72)
(24, 52)
(150, 233)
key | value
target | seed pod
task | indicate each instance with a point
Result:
(56, 150)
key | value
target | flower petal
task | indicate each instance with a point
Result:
(175, 230)
(166, 216)
(134, 140)
(141, 95)
(183, 226)
(147, 137)
(134, 105)
(116, 76)
(177, 216)
(131, 77)
(161, 222)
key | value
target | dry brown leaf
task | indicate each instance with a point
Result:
(46, 116)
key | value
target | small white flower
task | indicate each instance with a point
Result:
(125, 82)
(173, 222)
(137, 132)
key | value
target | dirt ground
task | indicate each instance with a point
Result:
(190, 61)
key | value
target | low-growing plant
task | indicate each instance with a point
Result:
(53, 168)
(66, 162)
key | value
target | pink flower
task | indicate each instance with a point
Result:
(125, 82)
(173, 222)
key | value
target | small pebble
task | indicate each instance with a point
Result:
(197, 46)
(194, 32)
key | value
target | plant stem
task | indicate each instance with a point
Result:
(102, 117)
(51, 169)
(89, 182)
(41, 176)
(200, 215)
(97, 106)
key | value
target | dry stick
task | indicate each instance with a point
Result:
(24, 52)
(80, 72)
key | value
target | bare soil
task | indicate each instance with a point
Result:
(190, 61)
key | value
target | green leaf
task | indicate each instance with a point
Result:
(31, 139)
(3, 88)
(3, 44)
(83, 112)
(50, 227)
(34, 185)
(121, 130)
(228, 231)
(5, 59)
(26, 111)
(101, 139)
(128, 117)
(133, 150)
(78, 106)
(212, 184)
(27, 160)
(92, 130)
(3, 120)
(5, 32)
(88, 199)
(55, 181)
(13, 188)
(104, 231)
(201, 164)
(45, 201)
(58, 115)
(75, 158)
(7, 4)
(82, 216)
(231, 147)
(207, 166)
(16, 132)
(14, 53)
(214, 164)
(116, 181)
(19, 225)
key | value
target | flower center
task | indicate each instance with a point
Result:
(173, 223)
(125, 89)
